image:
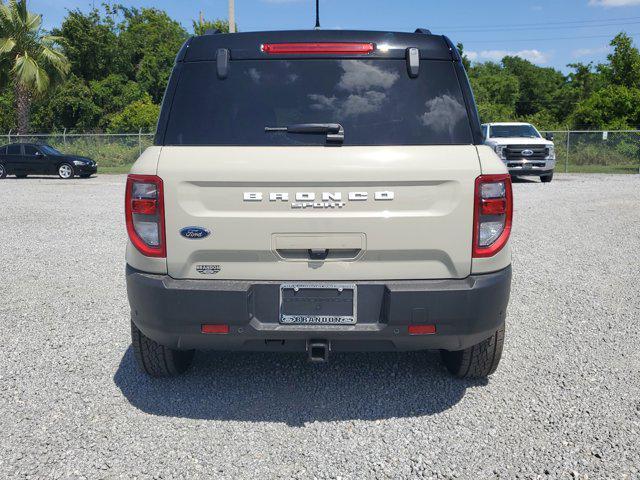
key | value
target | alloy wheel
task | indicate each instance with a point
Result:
(65, 171)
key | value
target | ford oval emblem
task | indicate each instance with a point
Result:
(527, 153)
(195, 233)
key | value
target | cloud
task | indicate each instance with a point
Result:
(613, 3)
(588, 52)
(359, 76)
(534, 56)
(443, 113)
(364, 86)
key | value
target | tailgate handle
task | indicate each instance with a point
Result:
(318, 253)
(304, 247)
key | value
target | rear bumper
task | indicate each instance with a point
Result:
(465, 312)
(530, 167)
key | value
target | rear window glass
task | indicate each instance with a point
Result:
(375, 101)
(13, 150)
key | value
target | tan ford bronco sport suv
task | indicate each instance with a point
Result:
(318, 191)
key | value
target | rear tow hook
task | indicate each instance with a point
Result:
(318, 351)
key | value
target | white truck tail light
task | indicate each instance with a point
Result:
(493, 213)
(144, 212)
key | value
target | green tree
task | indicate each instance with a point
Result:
(34, 60)
(613, 107)
(624, 63)
(70, 106)
(141, 114)
(583, 80)
(539, 86)
(202, 26)
(149, 41)
(91, 43)
(112, 94)
(7, 112)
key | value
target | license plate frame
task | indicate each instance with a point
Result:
(302, 319)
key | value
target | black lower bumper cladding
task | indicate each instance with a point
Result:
(464, 312)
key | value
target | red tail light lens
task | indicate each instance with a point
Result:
(144, 213)
(493, 213)
(311, 48)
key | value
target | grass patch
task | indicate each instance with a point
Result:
(119, 169)
(598, 168)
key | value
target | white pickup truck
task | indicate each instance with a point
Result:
(522, 148)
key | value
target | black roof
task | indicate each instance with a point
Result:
(244, 46)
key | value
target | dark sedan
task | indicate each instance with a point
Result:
(22, 159)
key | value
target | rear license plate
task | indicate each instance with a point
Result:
(318, 304)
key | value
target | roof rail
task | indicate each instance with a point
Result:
(423, 31)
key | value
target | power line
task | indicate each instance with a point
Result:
(528, 27)
(572, 22)
(579, 37)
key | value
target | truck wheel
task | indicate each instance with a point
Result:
(3, 171)
(546, 178)
(157, 360)
(479, 360)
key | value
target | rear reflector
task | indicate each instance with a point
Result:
(311, 48)
(219, 329)
(422, 329)
(143, 207)
(494, 206)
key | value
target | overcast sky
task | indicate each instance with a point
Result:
(547, 32)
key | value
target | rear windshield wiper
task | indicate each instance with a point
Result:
(333, 131)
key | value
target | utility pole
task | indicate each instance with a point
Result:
(317, 14)
(232, 16)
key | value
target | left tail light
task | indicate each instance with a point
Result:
(493, 214)
(144, 212)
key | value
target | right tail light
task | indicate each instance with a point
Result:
(493, 213)
(144, 212)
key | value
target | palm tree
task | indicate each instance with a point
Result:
(29, 58)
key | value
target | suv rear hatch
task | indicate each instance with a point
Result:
(393, 201)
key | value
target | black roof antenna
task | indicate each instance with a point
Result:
(317, 14)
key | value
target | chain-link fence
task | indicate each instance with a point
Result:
(615, 151)
(612, 151)
(109, 150)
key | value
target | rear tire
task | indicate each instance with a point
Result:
(477, 361)
(157, 360)
(546, 178)
(65, 171)
(3, 171)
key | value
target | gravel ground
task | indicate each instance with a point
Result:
(565, 402)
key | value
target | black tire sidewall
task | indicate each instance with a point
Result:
(3, 169)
